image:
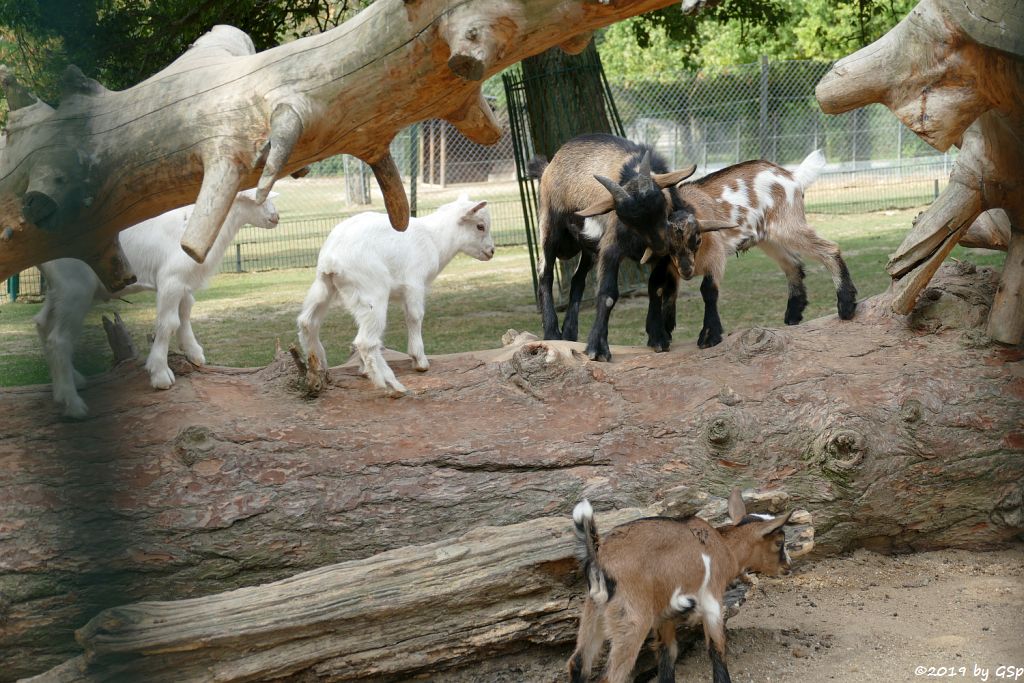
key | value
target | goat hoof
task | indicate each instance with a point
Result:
(793, 319)
(600, 356)
(162, 379)
(421, 366)
(709, 338)
(847, 309)
(75, 408)
(197, 359)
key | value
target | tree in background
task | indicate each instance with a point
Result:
(122, 42)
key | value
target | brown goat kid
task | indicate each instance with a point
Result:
(648, 575)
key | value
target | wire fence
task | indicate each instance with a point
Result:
(713, 118)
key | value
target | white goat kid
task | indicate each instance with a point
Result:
(366, 262)
(154, 252)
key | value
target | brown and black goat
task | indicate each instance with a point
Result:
(605, 198)
(765, 203)
(648, 575)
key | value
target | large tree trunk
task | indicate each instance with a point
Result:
(221, 118)
(953, 74)
(895, 433)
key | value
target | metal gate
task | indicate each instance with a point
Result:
(632, 276)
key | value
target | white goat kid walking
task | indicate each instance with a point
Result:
(366, 262)
(154, 252)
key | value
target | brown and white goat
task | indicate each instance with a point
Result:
(648, 575)
(605, 198)
(766, 204)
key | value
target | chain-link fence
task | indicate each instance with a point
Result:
(713, 118)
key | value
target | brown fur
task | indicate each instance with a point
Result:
(649, 560)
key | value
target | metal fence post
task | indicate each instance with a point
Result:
(763, 121)
(12, 287)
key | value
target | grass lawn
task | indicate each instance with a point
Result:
(470, 306)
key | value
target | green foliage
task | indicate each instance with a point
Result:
(739, 31)
(121, 42)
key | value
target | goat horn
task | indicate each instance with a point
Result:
(714, 226)
(645, 165)
(648, 253)
(618, 194)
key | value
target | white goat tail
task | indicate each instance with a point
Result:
(587, 543)
(809, 169)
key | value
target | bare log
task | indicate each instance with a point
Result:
(990, 230)
(221, 118)
(444, 604)
(895, 433)
(953, 76)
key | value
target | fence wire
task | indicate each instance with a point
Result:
(712, 118)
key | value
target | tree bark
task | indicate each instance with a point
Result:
(221, 118)
(896, 433)
(445, 604)
(953, 76)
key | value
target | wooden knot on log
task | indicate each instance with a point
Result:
(721, 431)
(537, 364)
(959, 297)
(56, 190)
(911, 411)
(758, 341)
(1009, 511)
(194, 443)
(839, 452)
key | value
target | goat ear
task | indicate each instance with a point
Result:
(664, 180)
(737, 510)
(476, 208)
(714, 226)
(776, 524)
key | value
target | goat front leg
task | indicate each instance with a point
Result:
(711, 333)
(414, 308)
(168, 303)
(371, 313)
(659, 337)
(186, 337)
(607, 295)
(58, 331)
(571, 327)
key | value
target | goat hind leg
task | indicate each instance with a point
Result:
(589, 642)
(59, 330)
(414, 308)
(714, 635)
(371, 316)
(627, 636)
(571, 326)
(168, 302)
(827, 251)
(186, 337)
(314, 310)
(794, 270)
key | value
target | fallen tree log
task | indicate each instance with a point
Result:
(388, 617)
(896, 433)
(223, 118)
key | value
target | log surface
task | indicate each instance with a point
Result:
(896, 433)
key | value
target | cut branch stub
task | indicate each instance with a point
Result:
(112, 267)
(390, 180)
(990, 230)
(478, 37)
(1006, 322)
(476, 121)
(17, 96)
(285, 130)
(221, 180)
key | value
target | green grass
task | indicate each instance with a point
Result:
(470, 306)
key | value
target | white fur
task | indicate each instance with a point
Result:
(365, 261)
(593, 228)
(582, 511)
(708, 607)
(762, 516)
(809, 169)
(153, 250)
(681, 602)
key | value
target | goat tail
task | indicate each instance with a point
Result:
(809, 169)
(587, 544)
(535, 166)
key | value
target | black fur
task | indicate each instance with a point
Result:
(846, 295)
(711, 333)
(535, 166)
(666, 665)
(797, 299)
(575, 666)
(719, 672)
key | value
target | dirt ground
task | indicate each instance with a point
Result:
(948, 615)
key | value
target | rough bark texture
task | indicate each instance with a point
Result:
(388, 617)
(895, 433)
(222, 118)
(954, 76)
